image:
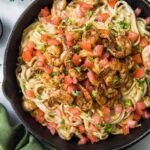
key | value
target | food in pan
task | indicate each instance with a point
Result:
(84, 69)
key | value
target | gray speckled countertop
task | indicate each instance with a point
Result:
(9, 13)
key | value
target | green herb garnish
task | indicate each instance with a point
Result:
(43, 49)
(88, 26)
(62, 121)
(75, 93)
(116, 80)
(54, 74)
(38, 96)
(76, 46)
(68, 59)
(140, 83)
(78, 69)
(94, 93)
(90, 13)
(106, 49)
(40, 29)
(52, 82)
(124, 25)
(98, 126)
(91, 59)
(37, 75)
(127, 103)
(147, 80)
(108, 128)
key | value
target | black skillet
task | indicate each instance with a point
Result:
(11, 90)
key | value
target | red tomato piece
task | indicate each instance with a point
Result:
(88, 63)
(139, 73)
(55, 21)
(83, 141)
(30, 93)
(102, 17)
(74, 111)
(112, 3)
(85, 6)
(68, 80)
(76, 59)
(91, 76)
(144, 42)
(104, 62)
(44, 37)
(45, 12)
(98, 50)
(126, 130)
(41, 58)
(137, 58)
(40, 63)
(140, 106)
(132, 124)
(72, 88)
(48, 69)
(58, 112)
(93, 128)
(80, 13)
(106, 111)
(81, 129)
(96, 119)
(53, 42)
(92, 138)
(118, 108)
(86, 46)
(69, 37)
(52, 127)
(30, 46)
(147, 20)
(138, 11)
(27, 55)
(133, 36)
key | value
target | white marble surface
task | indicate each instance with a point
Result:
(9, 13)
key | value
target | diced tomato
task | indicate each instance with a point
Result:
(30, 93)
(147, 20)
(74, 111)
(132, 123)
(91, 76)
(40, 57)
(98, 50)
(138, 11)
(112, 3)
(30, 46)
(88, 86)
(85, 6)
(68, 80)
(118, 108)
(125, 130)
(44, 37)
(53, 42)
(86, 46)
(52, 127)
(139, 73)
(70, 43)
(144, 42)
(39, 119)
(137, 58)
(58, 112)
(106, 111)
(130, 109)
(76, 59)
(140, 106)
(39, 115)
(102, 17)
(133, 36)
(80, 13)
(146, 114)
(38, 112)
(92, 138)
(45, 12)
(83, 141)
(56, 21)
(103, 62)
(40, 63)
(88, 63)
(27, 55)
(81, 129)
(69, 37)
(105, 55)
(93, 128)
(75, 81)
(136, 117)
(96, 119)
(72, 88)
(48, 69)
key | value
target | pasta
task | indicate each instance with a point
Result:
(84, 69)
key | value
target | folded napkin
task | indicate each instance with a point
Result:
(17, 138)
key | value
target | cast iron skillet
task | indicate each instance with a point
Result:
(11, 90)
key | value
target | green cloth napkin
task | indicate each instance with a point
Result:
(17, 138)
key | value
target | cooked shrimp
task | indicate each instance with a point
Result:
(84, 100)
(123, 47)
(28, 105)
(146, 57)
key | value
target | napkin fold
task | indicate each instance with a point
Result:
(17, 138)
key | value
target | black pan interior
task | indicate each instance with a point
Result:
(11, 89)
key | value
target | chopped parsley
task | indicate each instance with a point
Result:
(38, 97)
(108, 128)
(78, 69)
(75, 93)
(76, 46)
(148, 80)
(94, 93)
(54, 74)
(127, 103)
(37, 75)
(73, 105)
(124, 25)
(40, 29)
(116, 80)
(90, 13)
(52, 82)
(62, 121)
(91, 59)
(43, 49)
(70, 22)
(88, 26)
(98, 126)
(140, 83)
(52, 116)
(68, 59)
(106, 49)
